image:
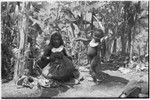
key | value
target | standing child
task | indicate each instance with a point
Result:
(95, 51)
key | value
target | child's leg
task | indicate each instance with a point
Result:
(93, 75)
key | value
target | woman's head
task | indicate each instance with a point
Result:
(56, 39)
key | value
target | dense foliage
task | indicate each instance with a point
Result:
(26, 29)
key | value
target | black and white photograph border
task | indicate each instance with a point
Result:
(74, 49)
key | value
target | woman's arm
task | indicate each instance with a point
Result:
(43, 61)
(64, 51)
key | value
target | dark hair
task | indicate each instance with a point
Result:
(51, 45)
(54, 34)
(98, 34)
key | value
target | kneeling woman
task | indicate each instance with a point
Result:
(57, 65)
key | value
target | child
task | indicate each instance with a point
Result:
(93, 45)
(95, 56)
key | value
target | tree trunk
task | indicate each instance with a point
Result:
(92, 19)
(129, 41)
(146, 48)
(115, 46)
(139, 54)
(123, 44)
(132, 32)
(20, 62)
(19, 67)
(109, 50)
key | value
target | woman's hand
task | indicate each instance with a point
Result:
(58, 55)
(45, 70)
(47, 57)
(50, 58)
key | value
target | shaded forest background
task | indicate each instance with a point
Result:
(26, 28)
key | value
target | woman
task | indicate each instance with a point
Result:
(55, 62)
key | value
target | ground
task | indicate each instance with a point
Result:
(111, 88)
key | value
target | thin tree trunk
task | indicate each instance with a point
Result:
(85, 15)
(123, 38)
(19, 64)
(129, 41)
(92, 19)
(139, 51)
(109, 50)
(123, 44)
(115, 46)
(18, 71)
(131, 44)
(146, 48)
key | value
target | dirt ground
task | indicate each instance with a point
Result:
(86, 89)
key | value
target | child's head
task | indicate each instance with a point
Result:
(98, 34)
(56, 39)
